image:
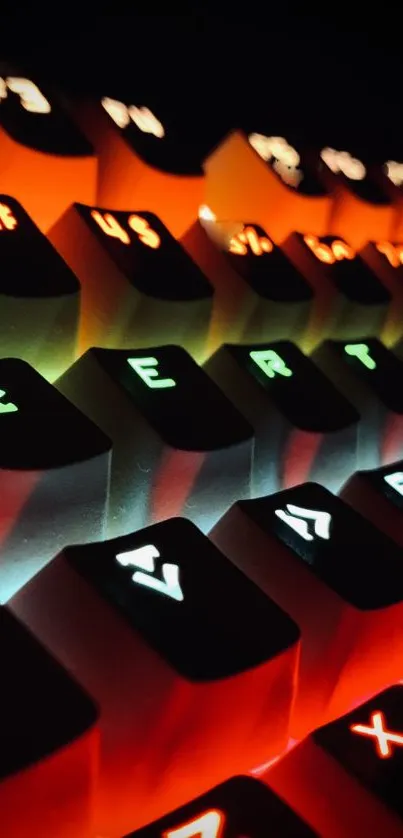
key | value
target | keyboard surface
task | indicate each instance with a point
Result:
(201, 416)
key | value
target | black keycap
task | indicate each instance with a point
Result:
(54, 463)
(39, 295)
(367, 745)
(338, 577)
(378, 494)
(304, 428)
(180, 446)
(369, 375)
(163, 607)
(49, 734)
(241, 806)
(140, 286)
(40, 146)
(354, 300)
(385, 259)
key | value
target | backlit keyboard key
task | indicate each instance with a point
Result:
(361, 210)
(54, 468)
(347, 777)
(378, 495)
(351, 300)
(385, 259)
(48, 742)
(46, 162)
(371, 377)
(260, 177)
(304, 428)
(39, 295)
(180, 447)
(240, 807)
(172, 641)
(139, 286)
(142, 158)
(257, 290)
(338, 577)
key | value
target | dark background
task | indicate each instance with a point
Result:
(333, 78)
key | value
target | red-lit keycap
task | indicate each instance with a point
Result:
(361, 209)
(261, 177)
(347, 778)
(350, 299)
(240, 807)
(192, 666)
(378, 495)
(39, 295)
(180, 447)
(385, 258)
(371, 377)
(54, 469)
(139, 286)
(338, 577)
(257, 290)
(143, 156)
(48, 742)
(46, 162)
(304, 428)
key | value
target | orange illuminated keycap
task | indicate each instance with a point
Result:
(192, 666)
(338, 577)
(47, 163)
(349, 298)
(378, 494)
(180, 447)
(39, 295)
(54, 464)
(361, 209)
(143, 159)
(139, 286)
(264, 178)
(385, 258)
(257, 290)
(371, 378)
(48, 742)
(304, 428)
(240, 807)
(347, 778)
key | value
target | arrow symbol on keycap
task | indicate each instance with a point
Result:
(294, 516)
(395, 480)
(144, 558)
(6, 407)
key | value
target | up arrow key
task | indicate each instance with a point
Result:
(144, 558)
(395, 480)
(295, 517)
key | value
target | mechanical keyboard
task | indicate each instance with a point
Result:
(201, 454)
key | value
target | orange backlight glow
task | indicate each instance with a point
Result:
(249, 241)
(208, 825)
(7, 219)
(336, 252)
(393, 252)
(380, 733)
(111, 227)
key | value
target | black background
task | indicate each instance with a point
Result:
(334, 77)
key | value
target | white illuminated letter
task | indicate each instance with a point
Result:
(295, 517)
(117, 111)
(146, 121)
(395, 480)
(208, 825)
(6, 407)
(30, 96)
(144, 558)
(145, 368)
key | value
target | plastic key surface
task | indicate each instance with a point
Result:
(139, 286)
(39, 295)
(338, 577)
(189, 692)
(48, 741)
(378, 494)
(180, 447)
(241, 806)
(304, 428)
(54, 463)
(47, 163)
